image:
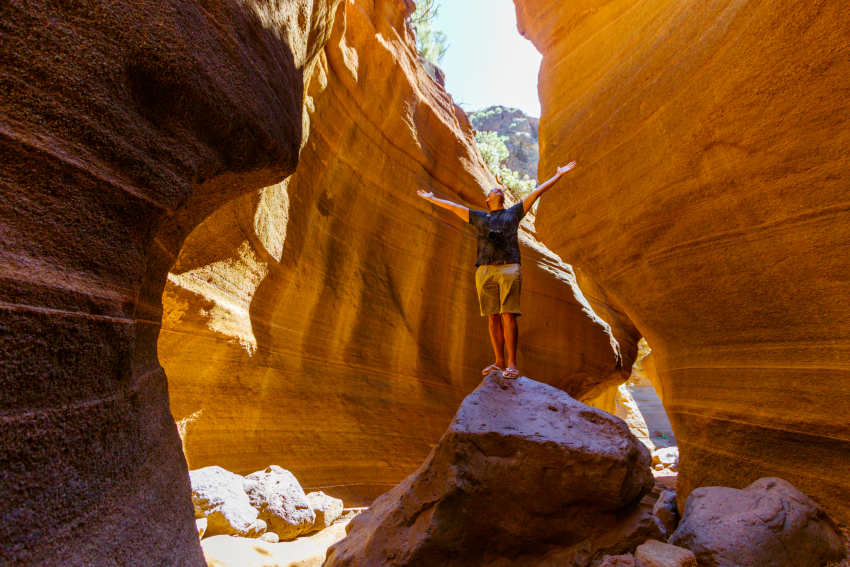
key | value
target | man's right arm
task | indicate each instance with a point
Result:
(459, 210)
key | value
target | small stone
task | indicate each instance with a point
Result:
(260, 528)
(270, 537)
(657, 554)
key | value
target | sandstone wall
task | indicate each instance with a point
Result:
(711, 201)
(122, 126)
(330, 324)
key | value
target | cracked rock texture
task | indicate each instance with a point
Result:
(122, 126)
(711, 204)
(220, 500)
(768, 524)
(520, 470)
(280, 501)
(330, 323)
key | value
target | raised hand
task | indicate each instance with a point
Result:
(425, 194)
(566, 168)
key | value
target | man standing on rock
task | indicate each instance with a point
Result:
(499, 276)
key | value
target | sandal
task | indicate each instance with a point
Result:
(491, 368)
(511, 374)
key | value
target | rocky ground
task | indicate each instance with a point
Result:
(525, 476)
(264, 518)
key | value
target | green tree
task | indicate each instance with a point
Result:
(432, 44)
(492, 148)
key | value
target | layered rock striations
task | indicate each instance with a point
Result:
(122, 126)
(330, 323)
(711, 203)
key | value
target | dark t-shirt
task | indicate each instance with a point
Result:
(504, 220)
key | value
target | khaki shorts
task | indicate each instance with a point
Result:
(498, 288)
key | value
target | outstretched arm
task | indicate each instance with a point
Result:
(459, 210)
(528, 202)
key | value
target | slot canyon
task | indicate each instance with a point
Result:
(214, 255)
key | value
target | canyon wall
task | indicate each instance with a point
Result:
(122, 126)
(711, 202)
(329, 324)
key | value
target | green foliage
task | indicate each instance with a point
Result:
(432, 44)
(493, 150)
(518, 187)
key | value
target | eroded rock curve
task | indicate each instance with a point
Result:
(710, 201)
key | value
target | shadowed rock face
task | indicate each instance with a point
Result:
(330, 324)
(711, 202)
(122, 126)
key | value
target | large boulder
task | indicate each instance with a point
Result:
(519, 470)
(281, 501)
(768, 524)
(218, 496)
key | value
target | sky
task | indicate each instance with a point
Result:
(488, 63)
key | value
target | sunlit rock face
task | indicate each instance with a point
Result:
(330, 324)
(711, 202)
(122, 126)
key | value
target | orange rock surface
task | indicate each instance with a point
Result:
(711, 203)
(122, 126)
(330, 324)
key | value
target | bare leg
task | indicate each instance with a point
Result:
(497, 337)
(510, 332)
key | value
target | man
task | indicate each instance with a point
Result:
(498, 278)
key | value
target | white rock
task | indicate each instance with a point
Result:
(327, 509)
(218, 497)
(270, 537)
(201, 526)
(280, 501)
(259, 529)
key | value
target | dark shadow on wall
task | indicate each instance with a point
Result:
(125, 126)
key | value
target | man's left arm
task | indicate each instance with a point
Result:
(528, 202)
